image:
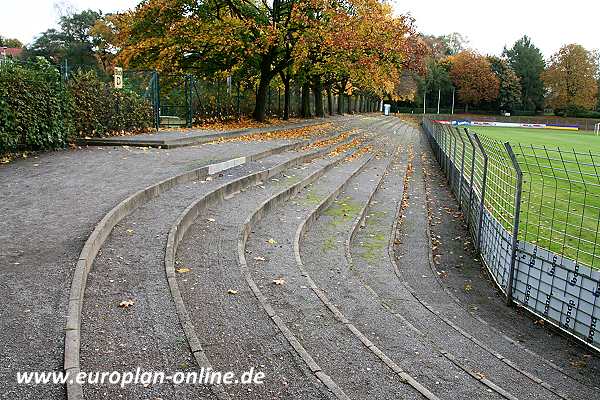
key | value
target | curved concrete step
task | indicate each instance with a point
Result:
(538, 376)
(461, 349)
(186, 183)
(227, 327)
(525, 339)
(332, 344)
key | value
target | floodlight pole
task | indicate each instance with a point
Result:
(453, 91)
(439, 96)
(424, 100)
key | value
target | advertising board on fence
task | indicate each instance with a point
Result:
(467, 122)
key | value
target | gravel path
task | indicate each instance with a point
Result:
(51, 203)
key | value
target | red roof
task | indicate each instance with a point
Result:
(10, 52)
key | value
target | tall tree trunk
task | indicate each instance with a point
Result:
(340, 107)
(285, 78)
(343, 85)
(262, 93)
(305, 110)
(318, 91)
(329, 100)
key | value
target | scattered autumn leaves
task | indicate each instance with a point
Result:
(328, 142)
(288, 134)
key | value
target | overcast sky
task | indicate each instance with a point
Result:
(488, 25)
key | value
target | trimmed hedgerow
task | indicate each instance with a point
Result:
(40, 112)
(34, 107)
(100, 110)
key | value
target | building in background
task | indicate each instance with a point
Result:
(10, 52)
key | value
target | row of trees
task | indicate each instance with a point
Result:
(328, 47)
(519, 80)
(342, 45)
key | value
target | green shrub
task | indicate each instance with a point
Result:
(577, 112)
(100, 110)
(34, 107)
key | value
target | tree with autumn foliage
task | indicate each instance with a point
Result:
(473, 78)
(571, 79)
(509, 96)
(355, 45)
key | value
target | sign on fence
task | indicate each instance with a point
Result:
(118, 78)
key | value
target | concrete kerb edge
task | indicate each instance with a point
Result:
(484, 322)
(449, 356)
(185, 220)
(72, 341)
(194, 140)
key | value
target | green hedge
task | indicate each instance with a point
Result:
(34, 107)
(577, 112)
(39, 112)
(100, 110)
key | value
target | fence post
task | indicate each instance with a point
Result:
(156, 99)
(447, 148)
(239, 116)
(517, 218)
(483, 186)
(472, 178)
(188, 99)
(449, 141)
(453, 157)
(462, 168)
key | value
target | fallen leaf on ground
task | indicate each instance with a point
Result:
(279, 281)
(479, 375)
(183, 270)
(126, 303)
(272, 241)
(468, 287)
(231, 291)
(259, 259)
(210, 219)
(129, 231)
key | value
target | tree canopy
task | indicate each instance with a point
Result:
(356, 44)
(473, 77)
(73, 40)
(571, 79)
(509, 95)
(528, 63)
(9, 42)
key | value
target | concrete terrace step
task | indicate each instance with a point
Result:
(343, 358)
(173, 139)
(145, 227)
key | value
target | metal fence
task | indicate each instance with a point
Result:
(584, 124)
(193, 100)
(186, 99)
(534, 215)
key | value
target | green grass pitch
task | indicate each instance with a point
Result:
(561, 206)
